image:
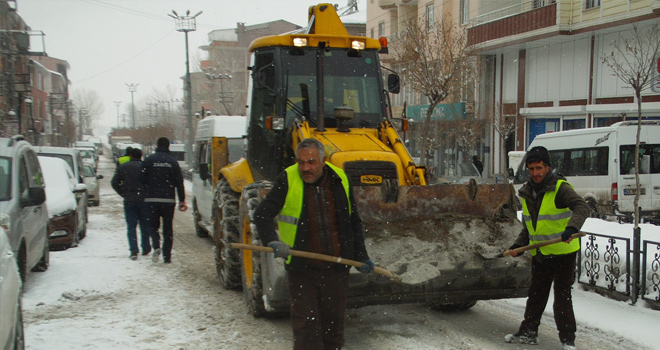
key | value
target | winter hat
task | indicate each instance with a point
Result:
(538, 153)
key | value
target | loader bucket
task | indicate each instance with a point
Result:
(437, 239)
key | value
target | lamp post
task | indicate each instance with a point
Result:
(132, 88)
(117, 103)
(187, 24)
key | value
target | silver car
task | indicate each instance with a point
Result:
(11, 314)
(91, 180)
(23, 211)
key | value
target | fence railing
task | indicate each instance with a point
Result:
(608, 263)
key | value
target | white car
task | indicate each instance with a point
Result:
(67, 215)
(91, 180)
(11, 315)
(89, 156)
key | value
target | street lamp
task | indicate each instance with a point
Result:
(187, 24)
(132, 87)
(117, 103)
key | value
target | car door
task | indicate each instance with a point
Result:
(34, 218)
(10, 287)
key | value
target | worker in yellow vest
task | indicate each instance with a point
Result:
(316, 212)
(551, 209)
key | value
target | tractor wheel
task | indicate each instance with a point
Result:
(225, 227)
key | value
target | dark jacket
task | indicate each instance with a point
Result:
(162, 176)
(350, 225)
(127, 181)
(566, 198)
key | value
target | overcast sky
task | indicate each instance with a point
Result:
(111, 43)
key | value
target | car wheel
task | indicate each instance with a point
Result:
(197, 217)
(43, 264)
(21, 260)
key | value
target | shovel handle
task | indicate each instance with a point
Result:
(316, 256)
(541, 244)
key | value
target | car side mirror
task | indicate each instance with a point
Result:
(203, 171)
(99, 177)
(35, 196)
(78, 188)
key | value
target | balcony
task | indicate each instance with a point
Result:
(390, 4)
(526, 17)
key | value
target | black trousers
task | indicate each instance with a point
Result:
(318, 305)
(560, 270)
(166, 212)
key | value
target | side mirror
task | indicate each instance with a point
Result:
(99, 177)
(79, 188)
(36, 196)
(203, 171)
(511, 174)
(393, 84)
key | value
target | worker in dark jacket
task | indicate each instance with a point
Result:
(127, 182)
(551, 209)
(316, 213)
(162, 176)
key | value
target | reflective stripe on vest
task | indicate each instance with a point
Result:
(550, 224)
(287, 220)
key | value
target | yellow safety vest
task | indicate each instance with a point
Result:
(287, 220)
(550, 224)
(123, 159)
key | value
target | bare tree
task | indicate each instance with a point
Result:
(89, 101)
(432, 55)
(632, 60)
(504, 126)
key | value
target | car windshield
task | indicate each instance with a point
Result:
(5, 178)
(86, 154)
(67, 157)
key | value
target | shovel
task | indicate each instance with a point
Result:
(537, 245)
(316, 256)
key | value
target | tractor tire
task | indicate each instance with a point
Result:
(225, 227)
(197, 217)
(251, 260)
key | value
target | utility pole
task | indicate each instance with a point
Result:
(187, 24)
(117, 103)
(132, 88)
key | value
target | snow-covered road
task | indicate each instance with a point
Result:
(94, 297)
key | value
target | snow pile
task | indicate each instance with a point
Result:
(421, 250)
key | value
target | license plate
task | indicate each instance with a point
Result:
(632, 191)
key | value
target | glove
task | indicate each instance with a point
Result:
(514, 246)
(281, 249)
(367, 267)
(568, 232)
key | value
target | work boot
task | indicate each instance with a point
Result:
(133, 256)
(531, 338)
(568, 345)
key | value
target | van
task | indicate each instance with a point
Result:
(23, 208)
(178, 151)
(600, 164)
(218, 142)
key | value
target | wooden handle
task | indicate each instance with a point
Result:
(541, 244)
(316, 256)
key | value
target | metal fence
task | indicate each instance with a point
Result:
(609, 264)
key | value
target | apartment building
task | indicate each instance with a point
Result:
(541, 63)
(544, 64)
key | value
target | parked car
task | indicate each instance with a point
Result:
(67, 215)
(89, 156)
(23, 211)
(11, 314)
(91, 180)
(97, 142)
(73, 158)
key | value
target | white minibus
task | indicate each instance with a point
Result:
(600, 164)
